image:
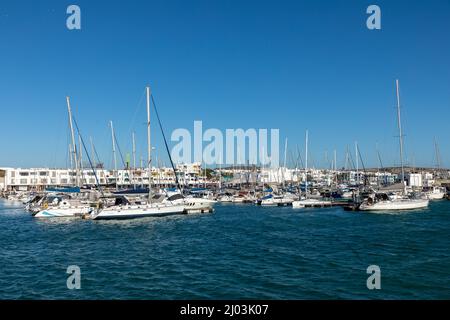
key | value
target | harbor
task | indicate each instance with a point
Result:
(224, 159)
(132, 192)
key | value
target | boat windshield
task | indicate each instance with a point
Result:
(175, 197)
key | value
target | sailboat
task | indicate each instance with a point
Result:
(302, 203)
(380, 201)
(65, 206)
(124, 209)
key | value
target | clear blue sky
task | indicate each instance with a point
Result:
(290, 65)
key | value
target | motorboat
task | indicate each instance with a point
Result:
(381, 201)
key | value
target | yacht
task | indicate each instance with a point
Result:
(125, 209)
(311, 203)
(61, 206)
(436, 193)
(382, 201)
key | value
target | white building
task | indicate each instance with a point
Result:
(415, 180)
(21, 179)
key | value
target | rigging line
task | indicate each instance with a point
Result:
(302, 165)
(165, 142)
(133, 120)
(120, 152)
(352, 163)
(87, 155)
(96, 154)
(364, 168)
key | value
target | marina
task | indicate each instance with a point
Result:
(222, 155)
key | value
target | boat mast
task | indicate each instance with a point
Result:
(73, 142)
(335, 163)
(306, 163)
(134, 151)
(134, 161)
(93, 152)
(357, 162)
(284, 166)
(114, 151)
(149, 150)
(400, 132)
(220, 171)
(70, 155)
(438, 158)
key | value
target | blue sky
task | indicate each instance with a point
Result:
(290, 65)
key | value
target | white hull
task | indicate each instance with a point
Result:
(196, 205)
(225, 199)
(268, 202)
(283, 201)
(436, 195)
(63, 212)
(402, 204)
(137, 211)
(310, 203)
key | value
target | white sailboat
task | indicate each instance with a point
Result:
(379, 202)
(302, 203)
(66, 207)
(127, 210)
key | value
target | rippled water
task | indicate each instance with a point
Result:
(239, 251)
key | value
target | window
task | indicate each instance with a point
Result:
(43, 173)
(63, 181)
(23, 181)
(24, 174)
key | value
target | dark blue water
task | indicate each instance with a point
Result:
(240, 251)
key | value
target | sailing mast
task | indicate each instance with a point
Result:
(114, 151)
(134, 161)
(284, 166)
(401, 133)
(438, 157)
(70, 155)
(149, 150)
(134, 151)
(306, 164)
(73, 142)
(357, 163)
(93, 152)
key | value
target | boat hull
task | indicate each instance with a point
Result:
(394, 205)
(133, 212)
(311, 203)
(63, 212)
